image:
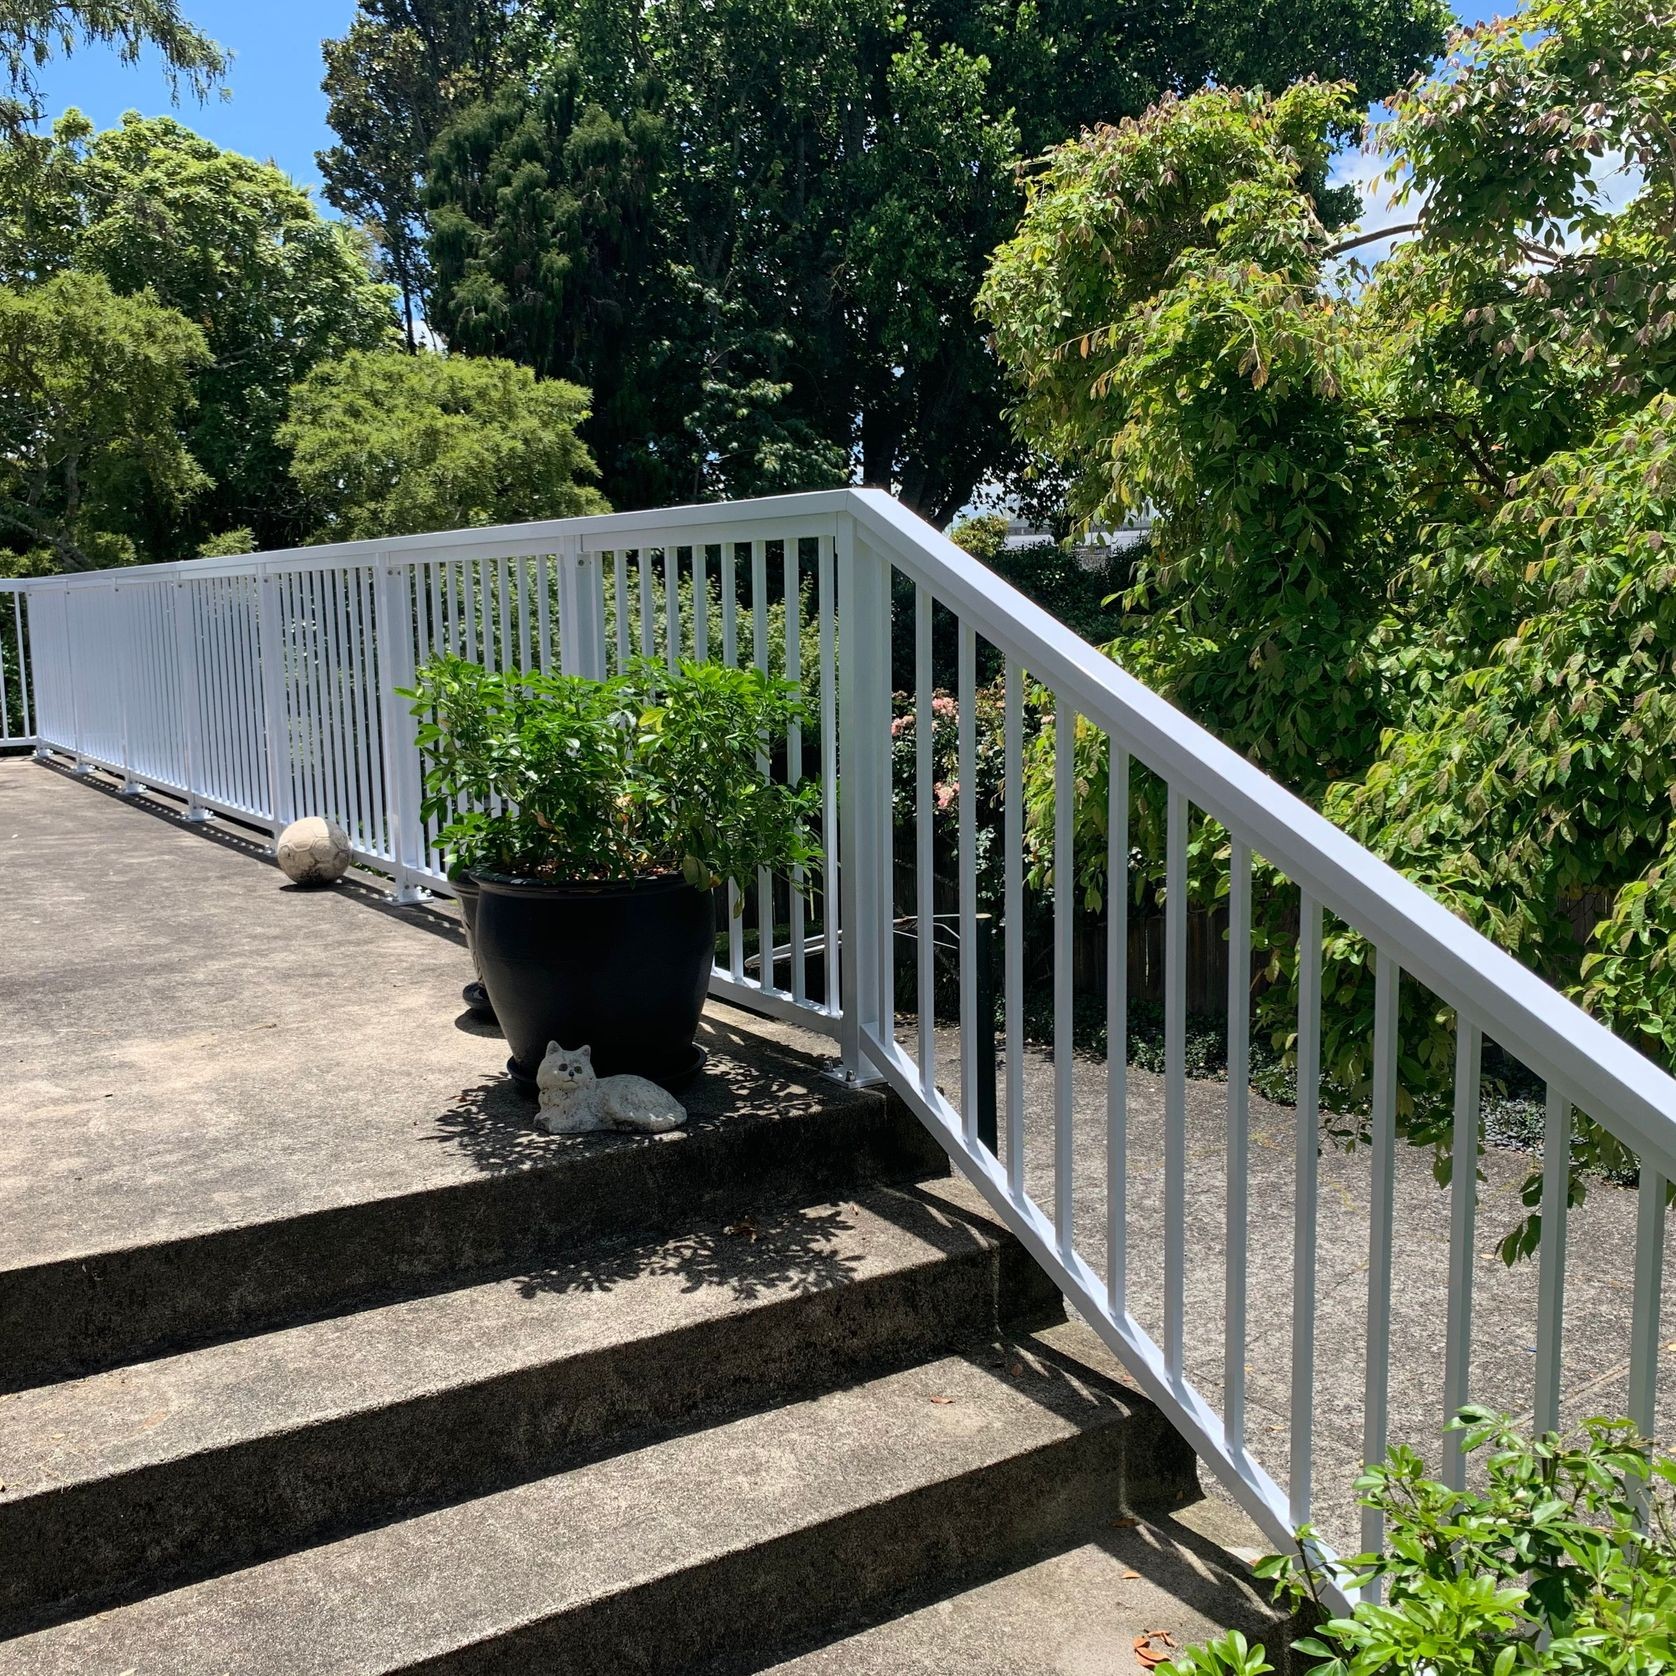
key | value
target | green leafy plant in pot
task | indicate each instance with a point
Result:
(596, 819)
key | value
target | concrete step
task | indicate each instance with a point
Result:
(129, 1480)
(722, 1543)
(779, 1141)
(1078, 1612)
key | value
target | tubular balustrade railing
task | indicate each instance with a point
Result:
(264, 687)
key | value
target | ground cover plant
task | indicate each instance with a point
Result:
(1560, 1557)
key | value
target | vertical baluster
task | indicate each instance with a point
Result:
(26, 667)
(452, 578)
(1387, 982)
(317, 672)
(1117, 1028)
(672, 605)
(648, 605)
(1239, 1103)
(285, 591)
(239, 718)
(619, 573)
(1648, 1299)
(469, 635)
(215, 681)
(342, 783)
(309, 652)
(523, 614)
(1463, 1214)
(366, 713)
(925, 906)
(264, 786)
(503, 599)
(794, 733)
(976, 1034)
(759, 647)
(1304, 1209)
(377, 815)
(829, 766)
(1175, 1081)
(544, 611)
(5, 712)
(1064, 913)
(1013, 861)
(701, 603)
(730, 656)
(1550, 1286)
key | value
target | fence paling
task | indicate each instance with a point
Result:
(264, 687)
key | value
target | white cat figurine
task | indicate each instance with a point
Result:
(574, 1101)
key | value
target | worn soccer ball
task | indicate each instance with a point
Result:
(313, 851)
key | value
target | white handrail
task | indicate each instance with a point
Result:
(261, 686)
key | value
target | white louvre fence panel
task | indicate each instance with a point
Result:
(266, 688)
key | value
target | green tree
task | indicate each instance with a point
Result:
(31, 31)
(228, 242)
(93, 389)
(391, 81)
(1413, 536)
(388, 443)
(792, 303)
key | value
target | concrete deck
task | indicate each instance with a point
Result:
(192, 1044)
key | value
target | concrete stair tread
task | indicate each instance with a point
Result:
(148, 1476)
(1075, 1613)
(594, 1545)
(520, 1197)
(53, 1437)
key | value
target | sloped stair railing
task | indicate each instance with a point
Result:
(263, 687)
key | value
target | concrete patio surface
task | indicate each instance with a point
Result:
(194, 1046)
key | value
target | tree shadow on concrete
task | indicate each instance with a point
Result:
(791, 1253)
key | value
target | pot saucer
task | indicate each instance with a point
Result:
(674, 1080)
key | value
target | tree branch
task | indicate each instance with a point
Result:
(1373, 237)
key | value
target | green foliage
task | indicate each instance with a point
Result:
(767, 279)
(1411, 538)
(229, 544)
(391, 81)
(558, 777)
(31, 32)
(93, 387)
(389, 443)
(233, 246)
(1565, 1561)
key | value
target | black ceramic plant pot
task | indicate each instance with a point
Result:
(475, 996)
(620, 967)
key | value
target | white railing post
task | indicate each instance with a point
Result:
(581, 611)
(185, 620)
(863, 793)
(393, 633)
(270, 653)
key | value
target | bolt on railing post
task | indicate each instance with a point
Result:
(185, 621)
(863, 791)
(270, 663)
(393, 635)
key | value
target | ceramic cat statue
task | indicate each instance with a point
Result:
(574, 1101)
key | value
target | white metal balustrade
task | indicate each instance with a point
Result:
(264, 687)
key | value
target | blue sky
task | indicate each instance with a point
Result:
(275, 108)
